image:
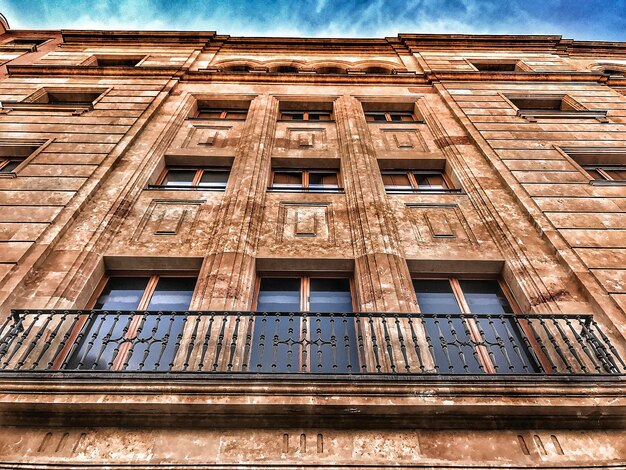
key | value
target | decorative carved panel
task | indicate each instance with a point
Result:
(404, 139)
(175, 219)
(298, 220)
(306, 138)
(436, 223)
(201, 135)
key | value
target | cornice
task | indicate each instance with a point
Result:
(60, 70)
(133, 37)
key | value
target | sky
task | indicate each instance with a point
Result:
(576, 19)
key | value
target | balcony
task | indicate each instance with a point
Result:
(241, 344)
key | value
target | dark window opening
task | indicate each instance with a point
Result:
(284, 69)
(27, 41)
(393, 116)
(606, 172)
(377, 71)
(306, 115)
(8, 165)
(237, 68)
(331, 71)
(322, 341)
(496, 66)
(68, 98)
(119, 61)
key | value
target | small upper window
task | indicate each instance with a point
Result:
(331, 71)
(8, 164)
(496, 66)
(284, 69)
(67, 97)
(606, 172)
(305, 180)
(615, 72)
(27, 41)
(402, 181)
(118, 61)
(237, 68)
(377, 71)
(188, 177)
(213, 113)
(553, 106)
(392, 116)
(306, 115)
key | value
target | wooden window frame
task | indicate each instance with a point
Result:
(305, 115)
(388, 114)
(415, 187)
(304, 179)
(196, 179)
(5, 161)
(133, 325)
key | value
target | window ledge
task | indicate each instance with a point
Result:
(607, 182)
(305, 190)
(10, 174)
(424, 191)
(534, 115)
(8, 106)
(160, 187)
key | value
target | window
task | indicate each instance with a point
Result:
(606, 172)
(331, 71)
(305, 180)
(553, 106)
(75, 100)
(306, 115)
(68, 97)
(117, 61)
(398, 181)
(214, 113)
(124, 336)
(284, 340)
(377, 71)
(497, 66)
(199, 178)
(237, 68)
(27, 41)
(471, 327)
(8, 165)
(615, 73)
(284, 69)
(393, 116)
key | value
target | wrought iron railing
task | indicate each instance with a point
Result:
(372, 344)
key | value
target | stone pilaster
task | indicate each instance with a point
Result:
(381, 273)
(226, 280)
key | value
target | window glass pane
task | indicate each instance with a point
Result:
(209, 114)
(375, 116)
(485, 296)
(330, 295)
(172, 293)
(323, 180)
(316, 116)
(122, 293)
(293, 115)
(407, 117)
(430, 180)
(396, 180)
(435, 296)
(279, 295)
(214, 178)
(595, 174)
(288, 178)
(179, 178)
(236, 115)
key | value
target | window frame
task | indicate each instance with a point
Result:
(305, 180)
(133, 324)
(5, 161)
(604, 171)
(415, 187)
(196, 179)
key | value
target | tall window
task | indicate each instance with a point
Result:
(323, 340)
(125, 336)
(606, 172)
(471, 327)
(411, 180)
(189, 177)
(305, 180)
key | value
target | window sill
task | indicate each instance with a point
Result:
(160, 187)
(424, 191)
(607, 182)
(305, 120)
(7, 107)
(10, 174)
(534, 115)
(306, 190)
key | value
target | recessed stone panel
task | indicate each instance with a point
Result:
(440, 223)
(305, 220)
(168, 218)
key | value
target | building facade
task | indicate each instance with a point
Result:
(223, 252)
